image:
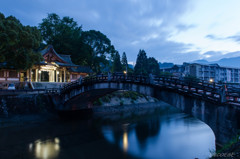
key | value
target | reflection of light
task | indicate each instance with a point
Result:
(125, 141)
(57, 147)
(30, 146)
(56, 140)
(47, 149)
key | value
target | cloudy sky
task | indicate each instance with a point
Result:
(169, 30)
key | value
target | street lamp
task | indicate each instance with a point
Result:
(211, 80)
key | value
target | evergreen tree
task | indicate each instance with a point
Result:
(141, 67)
(124, 62)
(117, 66)
(153, 66)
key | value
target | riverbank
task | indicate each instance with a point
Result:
(123, 97)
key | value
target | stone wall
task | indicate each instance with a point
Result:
(24, 104)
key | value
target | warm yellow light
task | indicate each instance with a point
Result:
(47, 149)
(125, 141)
(211, 80)
(56, 140)
(39, 71)
(125, 72)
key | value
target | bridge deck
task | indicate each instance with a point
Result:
(208, 91)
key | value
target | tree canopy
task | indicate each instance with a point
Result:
(117, 66)
(102, 49)
(153, 66)
(91, 48)
(124, 61)
(18, 43)
(141, 66)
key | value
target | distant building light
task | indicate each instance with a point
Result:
(211, 80)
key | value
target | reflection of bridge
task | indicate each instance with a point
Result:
(209, 102)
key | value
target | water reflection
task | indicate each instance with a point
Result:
(45, 149)
(125, 141)
(169, 136)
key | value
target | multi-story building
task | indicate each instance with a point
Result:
(207, 72)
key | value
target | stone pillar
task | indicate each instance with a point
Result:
(223, 94)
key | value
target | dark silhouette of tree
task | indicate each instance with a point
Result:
(153, 66)
(124, 62)
(141, 66)
(18, 43)
(102, 50)
(117, 66)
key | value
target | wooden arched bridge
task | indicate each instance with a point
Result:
(209, 91)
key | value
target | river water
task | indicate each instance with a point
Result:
(165, 133)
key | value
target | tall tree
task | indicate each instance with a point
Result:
(153, 66)
(124, 62)
(117, 66)
(18, 43)
(141, 67)
(65, 35)
(102, 50)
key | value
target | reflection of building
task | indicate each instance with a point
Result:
(55, 68)
(206, 72)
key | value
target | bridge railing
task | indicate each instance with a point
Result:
(197, 87)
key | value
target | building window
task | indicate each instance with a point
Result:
(74, 76)
(13, 74)
(2, 73)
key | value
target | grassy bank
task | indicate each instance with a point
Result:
(123, 97)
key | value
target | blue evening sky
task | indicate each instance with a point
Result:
(169, 30)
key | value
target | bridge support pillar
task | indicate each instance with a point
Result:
(223, 94)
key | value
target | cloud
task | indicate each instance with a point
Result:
(130, 25)
(235, 38)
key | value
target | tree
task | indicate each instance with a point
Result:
(18, 43)
(102, 50)
(124, 62)
(117, 66)
(141, 66)
(65, 35)
(153, 66)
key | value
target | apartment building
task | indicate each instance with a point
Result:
(207, 72)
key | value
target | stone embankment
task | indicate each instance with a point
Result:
(26, 108)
